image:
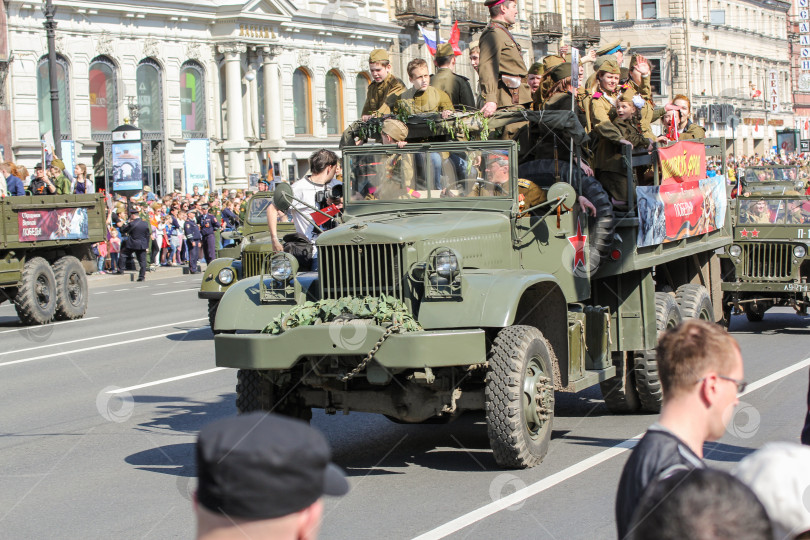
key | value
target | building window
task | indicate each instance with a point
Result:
(606, 10)
(192, 100)
(150, 97)
(334, 102)
(361, 91)
(302, 102)
(655, 76)
(44, 96)
(103, 100)
(649, 9)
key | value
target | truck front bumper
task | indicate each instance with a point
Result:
(766, 287)
(411, 350)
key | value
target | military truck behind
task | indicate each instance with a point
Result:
(439, 296)
(45, 251)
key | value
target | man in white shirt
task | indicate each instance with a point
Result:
(312, 190)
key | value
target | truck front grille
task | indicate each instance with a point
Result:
(252, 263)
(361, 270)
(767, 261)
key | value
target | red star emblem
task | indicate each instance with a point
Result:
(744, 233)
(755, 233)
(578, 241)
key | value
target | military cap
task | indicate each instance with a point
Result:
(58, 164)
(551, 61)
(378, 55)
(264, 181)
(610, 48)
(445, 50)
(536, 69)
(395, 129)
(38, 166)
(490, 3)
(627, 94)
(560, 72)
(610, 66)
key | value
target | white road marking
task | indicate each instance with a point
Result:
(103, 335)
(172, 292)
(162, 381)
(120, 290)
(46, 325)
(542, 485)
(102, 292)
(183, 281)
(143, 287)
(108, 345)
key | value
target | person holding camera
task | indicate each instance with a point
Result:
(138, 234)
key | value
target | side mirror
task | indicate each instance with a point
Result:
(283, 197)
(565, 192)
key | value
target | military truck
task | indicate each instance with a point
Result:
(45, 253)
(435, 298)
(768, 265)
(244, 259)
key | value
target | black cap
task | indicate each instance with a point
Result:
(38, 166)
(134, 211)
(264, 466)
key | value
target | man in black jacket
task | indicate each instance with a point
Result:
(137, 231)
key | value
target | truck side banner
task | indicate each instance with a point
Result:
(58, 224)
(682, 162)
(676, 211)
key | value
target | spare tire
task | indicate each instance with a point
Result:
(602, 231)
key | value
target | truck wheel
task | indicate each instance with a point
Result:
(695, 303)
(520, 397)
(619, 392)
(602, 231)
(71, 288)
(256, 393)
(36, 296)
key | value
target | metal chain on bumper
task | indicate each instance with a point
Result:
(393, 329)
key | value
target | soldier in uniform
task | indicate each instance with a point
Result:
(382, 86)
(421, 97)
(396, 175)
(535, 77)
(475, 56)
(549, 63)
(612, 51)
(502, 73)
(452, 84)
(687, 130)
(758, 213)
(60, 181)
(193, 240)
(209, 224)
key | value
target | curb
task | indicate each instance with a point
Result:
(161, 272)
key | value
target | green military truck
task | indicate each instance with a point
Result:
(768, 265)
(435, 298)
(46, 252)
(244, 259)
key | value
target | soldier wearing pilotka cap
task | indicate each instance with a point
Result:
(383, 84)
(262, 476)
(449, 82)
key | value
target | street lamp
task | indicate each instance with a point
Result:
(49, 10)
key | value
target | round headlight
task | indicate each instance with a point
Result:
(735, 250)
(226, 276)
(446, 263)
(281, 268)
(799, 251)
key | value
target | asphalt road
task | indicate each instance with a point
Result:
(98, 419)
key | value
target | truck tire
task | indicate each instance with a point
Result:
(520, 397)
(256, 393)
(603, 229)
(694, 301)
(619, 392)
(36, 295)
(212, 313)
(71, 289)
(668, 315)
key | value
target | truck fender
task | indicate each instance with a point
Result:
(210, 284)
(241, 308)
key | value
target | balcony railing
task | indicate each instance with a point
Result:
(415, 10)
(470, 14)
(547, 27)
(585, 31)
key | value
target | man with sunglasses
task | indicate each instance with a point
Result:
(701, 373)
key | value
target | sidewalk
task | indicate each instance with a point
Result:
(161, 272)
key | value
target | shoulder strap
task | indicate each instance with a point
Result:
(495, 24)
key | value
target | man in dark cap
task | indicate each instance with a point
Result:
(262, 476)
(502, 73)
(452, 84)
(193, 240)
(209, 225)
(41, 184)
(138, 235)
(383, 83)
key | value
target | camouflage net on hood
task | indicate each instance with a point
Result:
(383, 310)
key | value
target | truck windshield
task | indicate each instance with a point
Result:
(393, 174)
(770, 174)
(257, 208)
(775, 211)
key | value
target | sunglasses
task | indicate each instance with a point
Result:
(741, 385)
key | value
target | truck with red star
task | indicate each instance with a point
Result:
(767, 265)
(468, 274)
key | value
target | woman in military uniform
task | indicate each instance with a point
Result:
(687, 130)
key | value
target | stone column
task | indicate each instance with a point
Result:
(274, 136)
(235, 145)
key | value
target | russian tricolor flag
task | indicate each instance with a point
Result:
(430, 39)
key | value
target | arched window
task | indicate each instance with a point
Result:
(192, 100)
(103, 96)
(334, 102)
(44, 95)
(150, 96)
(361, 91)
(302, 102)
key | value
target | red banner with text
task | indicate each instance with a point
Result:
(682, 162)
